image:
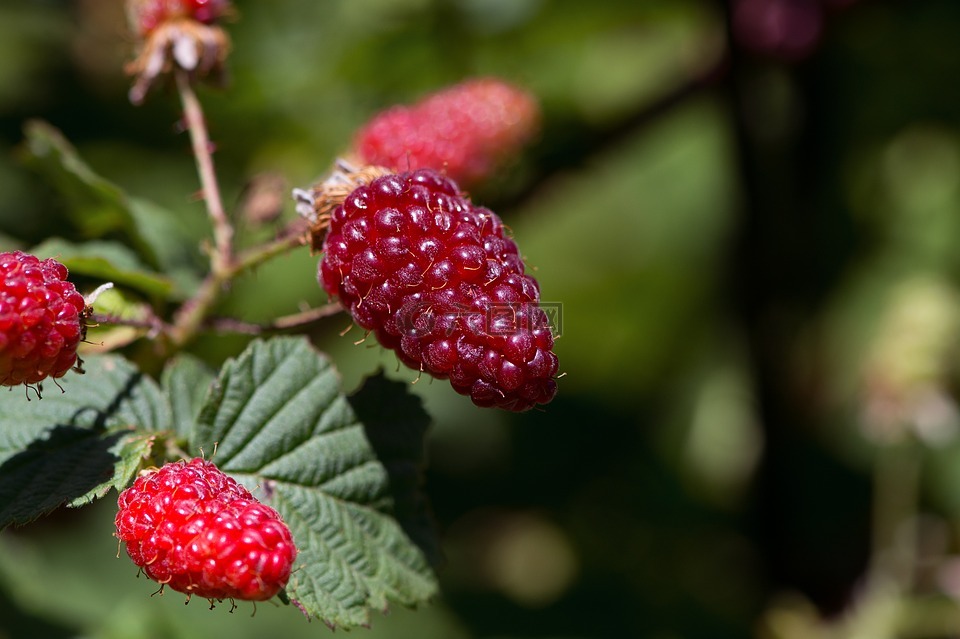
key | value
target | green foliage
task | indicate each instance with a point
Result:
(280, 425)
(276, 420)
(74, 446)
(725, 257)
(109, 262)
(98, 207)
(186, 381)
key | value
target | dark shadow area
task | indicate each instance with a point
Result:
(72, 460)
(15, 623)
(396, 424)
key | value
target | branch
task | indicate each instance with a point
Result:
(190, 318)
(222, 253)
(224, 266)
(295, 321)
(150, 323)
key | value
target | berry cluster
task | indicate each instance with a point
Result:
(191, 527)
(41, 319)
(466, 130)
(436, 279)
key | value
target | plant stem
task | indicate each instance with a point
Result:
(293, 237)
(224, 265)
(222, 254)
(150, 323)
(190, 319)
(285, 323)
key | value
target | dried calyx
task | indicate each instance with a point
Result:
(177, 34)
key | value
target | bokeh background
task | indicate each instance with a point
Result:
(748, 212)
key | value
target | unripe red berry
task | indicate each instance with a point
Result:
(436, 279)
(41, 319)
(467, 131)
(193, 528)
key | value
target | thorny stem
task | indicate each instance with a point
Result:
(285, 323)
(222, 253)
(190, 319)
(224, 264)
(151, 323)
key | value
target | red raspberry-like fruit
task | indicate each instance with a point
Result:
(438, 282)
(147, 15)
(191, 527)
(467, 131)
(41, 319)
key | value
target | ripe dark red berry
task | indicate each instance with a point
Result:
(41, 319)
(467, 131)
(191, 527)
(438, 281)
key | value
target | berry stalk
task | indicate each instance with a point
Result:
(225, 265)
(222, 253)
(191, 317)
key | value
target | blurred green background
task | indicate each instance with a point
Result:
(748, 212)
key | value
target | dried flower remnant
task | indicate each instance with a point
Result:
(177, 34)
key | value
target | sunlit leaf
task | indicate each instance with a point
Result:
(186, 381)
(109, 261)
(283, 427)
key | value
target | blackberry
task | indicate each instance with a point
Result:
(437, 280)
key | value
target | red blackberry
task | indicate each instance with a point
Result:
(41, 319)
(437, 281)
(466, 130)
(191, 527)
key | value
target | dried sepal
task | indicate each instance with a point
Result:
(177, 34)
(316, 203)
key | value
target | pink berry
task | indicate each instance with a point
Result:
(147, 15)
(41, 319)
(435, 278)
(467, 131)
(785, 29)
(193, 528)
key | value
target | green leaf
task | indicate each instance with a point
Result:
(73, 447)
(283, 427)
(108, 261)
(97, 206)
(396, 425)
(186, 381)
(118, 303)
(175, 249)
